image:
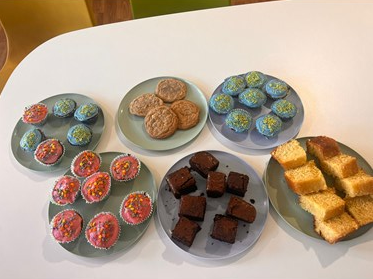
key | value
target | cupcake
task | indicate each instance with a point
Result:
(66, 226)
(85, 163)
(125, 167)
(64, 108)
(103, 230)
(49, 152)
(221, 103)
(255, 79)
(284, 109)
(65, 190)
(252, 98)
(87, 113)
(233, 85)
(31, 139)
(79, 135)
(35, 114)
(239, 120)
(276, 89)
(268, 125)
(96, 187)
(136, 208)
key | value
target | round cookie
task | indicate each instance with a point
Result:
(161, 122)
(143, 103)
(187, 113)
(170, 90)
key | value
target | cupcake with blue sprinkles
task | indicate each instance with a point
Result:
(255, 79)
(79, 135)
(87, 113)
(252, 98)
(239, 120)
(64, 108)
(276, 89)
(284, 109)
(268, 125)
(234, 85)
(31, 139)
(221, 103)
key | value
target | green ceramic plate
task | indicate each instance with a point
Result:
(132, 126)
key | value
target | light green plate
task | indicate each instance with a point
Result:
(285, 201)
(132, 126)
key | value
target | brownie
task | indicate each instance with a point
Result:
(181, 182)
(192, 207)
(203, 162)
(237, 183)
(225, 228)
(215, 184)
(240, 209)
(185, 231)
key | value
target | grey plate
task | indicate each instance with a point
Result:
(132, 126)
(129, 234)
(252, 139)
(204, 246)
(285, 201)
(56, 128)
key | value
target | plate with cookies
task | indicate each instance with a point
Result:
(212, 205)
(162, 113)
(321, 188)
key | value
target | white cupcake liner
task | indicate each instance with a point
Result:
(59, 159)
(119, 157)
(123, 202)
(103, 197)
(52, 221)
(77, 156)
(40, 123)
(54, 185)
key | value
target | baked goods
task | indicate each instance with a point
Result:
(31, 139)
(340, 166)
(237, 183)
(255, 79)
(215, 184)
(187, 112)
(239, 120)
(241, 210)
(66, 226)
(361, 209)
(276, 89)
(290, 155)
(268, 125)
(65, 190)
(233, 85)
(221, 103)
(252, 98)
(79, 135)
(284, 109)
(224, 229)
(359, 184)
(203, 162)
(96, 187)
(85, 163)
(87, 113)
(136, 207)
(185, 231)
(161, 122)
(125, 167)
(35, 114)
(181, 182)
(305, 179)
(141, 105)
(192, 207)
(323, 147)
(49, 152)
(64, 108)
(170, 90)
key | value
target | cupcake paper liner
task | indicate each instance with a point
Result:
(54, 185)
(59, 159)
(119, 157)
(103, 197)
(123, 202)
(52, 221)
(77, 156)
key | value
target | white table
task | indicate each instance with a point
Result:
(323, 50)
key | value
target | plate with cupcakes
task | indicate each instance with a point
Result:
(321, 188)
(256, 111)
(50, 133)
(102, 205)
(162, 113)
(212, 205)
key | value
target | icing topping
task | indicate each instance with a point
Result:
(269, 125)
(79, 134)
(221, 103)
(96, 187)
(35, 114)
(252, 98)
(86, 163)
(136, 208)
(103, 230)
(66, 226)
(255, 79)
(125, 167)
(31, 139)
(64, 107)
(238, 120)
(233, 85)
(284, 108)
(86, 111)
(49, 151)
(65, 190)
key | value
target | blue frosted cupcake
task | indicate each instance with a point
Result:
(239, 120)
(221, 103)
(284, 109)
(252, 98)
(87, 113)
(79, 135)
(233, 85)
(276, 89)
(31, 140)
(64, 108)
(255, 79)
(268, 125)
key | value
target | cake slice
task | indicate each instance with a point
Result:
(181, 182)
(340, 166)
(361, 209)
(360, 184)
(290, 155)
(241, 210)
(185, 231)
(305, 179)
(323, 147)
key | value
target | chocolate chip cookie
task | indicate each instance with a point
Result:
(170, 90)
(161, 122)
(187, 112)
(141, 105)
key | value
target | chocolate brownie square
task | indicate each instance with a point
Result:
(192, 207)
(185, 231)
(203, 162)
(181, 182)
(237, 183)
(215, 184)
(240, 209)
(225, 228)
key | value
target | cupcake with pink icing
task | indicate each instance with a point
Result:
(96, 187)
(66, 226)
(136, 208)
(125, 167)
(35, 114)
(65, 190)
(49, 152)
(85, 163)
(103, 230)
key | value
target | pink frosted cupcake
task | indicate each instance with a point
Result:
(66, 226)
(65, 190)
(85, 163)
(136, 208)
(125, 167)
(96, 187)
(103, 230)
(49, 152)
(35, 114)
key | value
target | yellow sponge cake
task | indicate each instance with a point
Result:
(323, 147)
(361, 209)
(360, 184)
(340, 166)
(290, 155)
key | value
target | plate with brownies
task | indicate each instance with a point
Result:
(321, 188)
(212, 205)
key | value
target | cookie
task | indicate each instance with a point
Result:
(161, 122)
(187, 113)
(170, 90)
(143, 103)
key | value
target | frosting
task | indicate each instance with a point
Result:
(66, 226)
(252, 97)
(239, 120)
(64, 107)
(125, 167)
(268, 125)
(284, 109)
(276, 88)
(85, 163)
(221, 103)
(79, 135)
(35, 114)
(49, 152)
(255, 79)
(233, 85)
(31, 139)
(65, 190)
(86, 112)
(136, 208)
(96, 187)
